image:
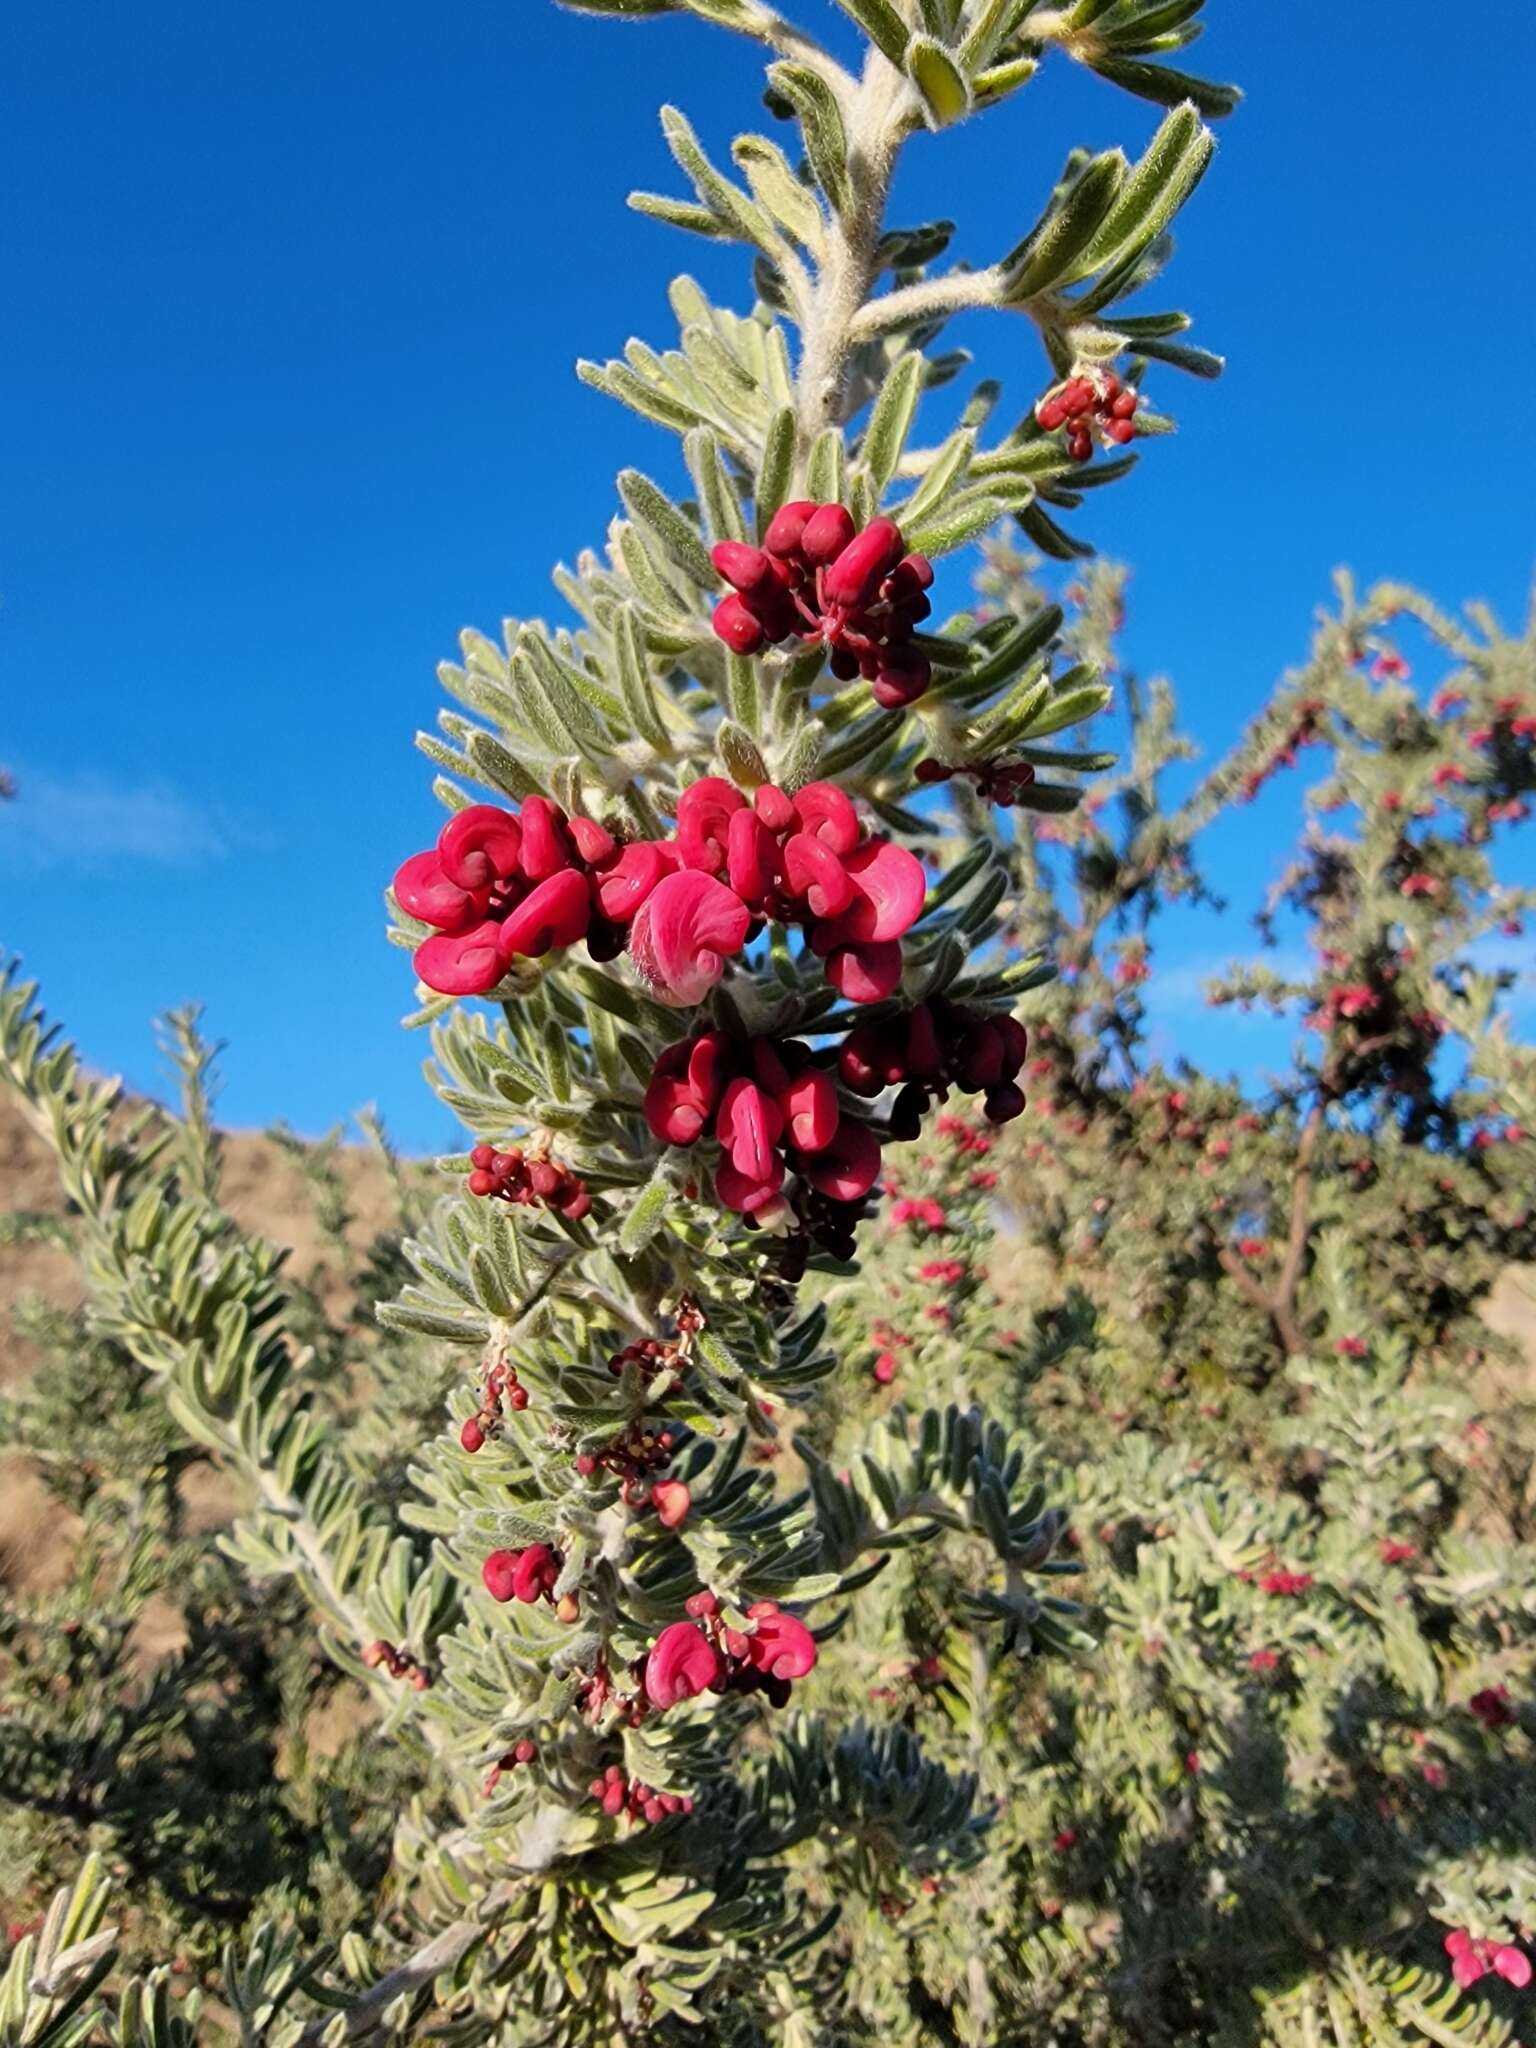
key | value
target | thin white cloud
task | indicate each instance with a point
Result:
(1181, 991)
(89, 820)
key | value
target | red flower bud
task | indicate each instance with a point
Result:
(774, 808)
(746, 569)
(499, 1572)
(740, 629)
(813, 872)
(866, 973)
(748, 1125)
(809, 1104)
(704, 813)
(423, 890)
(547, 846)
(827, 532)
(787, 525)
(852, 578)
(848, 1167)
(671, 1500)
(624, 886)
(747, 1194)
(890, 887)
(594, 842)
(554, 914)
(902, 677)
(466, 963)
(751, 857)
(827, 813)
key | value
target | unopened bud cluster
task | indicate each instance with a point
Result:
(817, 578)
(528, 1181)
(620, 1796)
(501, 1384)
(1091, 407)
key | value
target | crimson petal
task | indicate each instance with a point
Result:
(849, 1167)
(465, 963)
(748, 1124)
(866, 973)
(480, 846)
(423, 890)
(554, 914)
(683, 935)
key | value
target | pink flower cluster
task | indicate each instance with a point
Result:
(1349, 999)
(948, 1272)
(1472, 1958)
(930, 1048)
(502, 885)
(772, 1111)
(805, 860)
(1287, 1585)
(921, 1210)
(817, 578)
(706, 1655)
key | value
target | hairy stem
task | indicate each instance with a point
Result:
(878, 121)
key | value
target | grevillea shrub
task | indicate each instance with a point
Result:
(680, 910)
(1252, 1332)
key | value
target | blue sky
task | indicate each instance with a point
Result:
(293, 299)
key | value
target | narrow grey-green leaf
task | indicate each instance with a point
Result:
(1173, 165)
(649, 506)
(722, 509)
(1071, 707)
(821, 127)
(680, 213)
(1167, 87)
(777, 469)
(647, 1214)
(954, 525)
(826, 475)
(891, 419)
(779, 192)
(881, 23)
(635, 682)
(1051, 252)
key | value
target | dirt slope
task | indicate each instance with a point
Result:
(263, 1189)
